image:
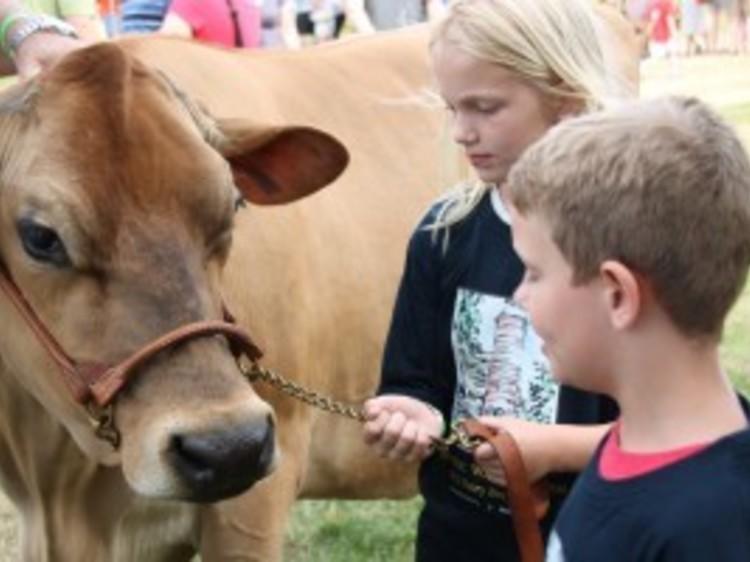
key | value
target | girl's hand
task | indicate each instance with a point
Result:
(400, 427)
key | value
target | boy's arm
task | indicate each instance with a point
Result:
(544, 448)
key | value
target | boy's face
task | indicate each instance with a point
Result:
(571, 320)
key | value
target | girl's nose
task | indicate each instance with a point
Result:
(463, 132)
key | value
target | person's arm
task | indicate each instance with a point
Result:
(544, 448)
(30, 42)
(357, 16)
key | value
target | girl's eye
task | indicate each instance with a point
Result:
(486, 107)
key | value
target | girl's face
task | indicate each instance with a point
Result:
(496, 114)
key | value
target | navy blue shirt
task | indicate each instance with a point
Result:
(695, 510)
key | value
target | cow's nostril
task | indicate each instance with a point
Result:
(220, 464)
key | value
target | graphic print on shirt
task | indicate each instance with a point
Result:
(500, 367)
(500, 371)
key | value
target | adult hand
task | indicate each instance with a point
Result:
(40, 50)
(400, 427)
(535, 442)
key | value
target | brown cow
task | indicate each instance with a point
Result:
(117, 214)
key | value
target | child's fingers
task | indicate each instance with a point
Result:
(485, 452)
(404, 446)
(489, 461)
(373, 430)
(423, 446)
(373, 408)
(391, 433)
(494, 473)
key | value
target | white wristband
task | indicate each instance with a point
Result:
(29, 25)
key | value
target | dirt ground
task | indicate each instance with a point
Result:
(720, 80)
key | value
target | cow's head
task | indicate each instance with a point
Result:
(117, 198)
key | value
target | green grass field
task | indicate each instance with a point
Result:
(336, 531)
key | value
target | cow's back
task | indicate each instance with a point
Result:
(315, 281)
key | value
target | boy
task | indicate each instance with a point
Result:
(634, 226)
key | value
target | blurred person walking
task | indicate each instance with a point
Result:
(391, 14)
(693, 26)
(306, 22)
(662, 27)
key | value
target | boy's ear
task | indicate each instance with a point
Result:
(623, 294)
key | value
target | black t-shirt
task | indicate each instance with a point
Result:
(695, 510)
(459, 342)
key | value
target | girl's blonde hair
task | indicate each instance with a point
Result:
(554, 45)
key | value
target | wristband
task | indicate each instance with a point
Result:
(32, 24)
(5, 26)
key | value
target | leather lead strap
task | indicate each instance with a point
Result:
(527, 504)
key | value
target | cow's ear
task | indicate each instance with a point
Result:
(277, 165)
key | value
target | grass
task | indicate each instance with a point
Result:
(338, 531)
(335, 531)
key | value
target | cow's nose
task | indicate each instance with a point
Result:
(220, 464)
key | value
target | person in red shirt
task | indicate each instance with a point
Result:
(662, 27)
(233, 23)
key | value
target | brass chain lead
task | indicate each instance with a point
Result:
(254, 372)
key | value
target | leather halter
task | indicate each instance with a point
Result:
(99, 383)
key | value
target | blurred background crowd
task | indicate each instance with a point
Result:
(690, 27)
(668, 27)
(239, 23)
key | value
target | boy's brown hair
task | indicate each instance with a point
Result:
(662, 186)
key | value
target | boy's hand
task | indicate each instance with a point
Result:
(533, 440)
(400, 427)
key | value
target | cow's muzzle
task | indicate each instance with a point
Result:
(217, 465)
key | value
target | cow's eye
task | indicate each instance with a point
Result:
(42, 243)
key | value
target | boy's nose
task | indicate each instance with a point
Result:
(520, 294)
